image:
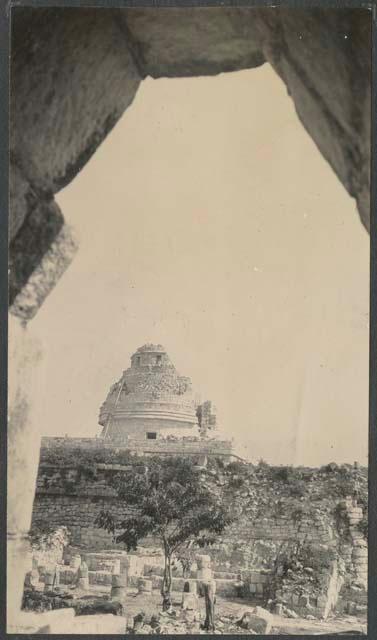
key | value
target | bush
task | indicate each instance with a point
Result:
(282, 473)
(236, 482)
(43, 537)
(298, 489)
(342, 521)
(83, 459)
(41, 602)
(329, 468)
(237, 468)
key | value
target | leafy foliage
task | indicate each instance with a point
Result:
(170, 500)
(186, 557)
(237, 467)
(83, 459)
(43, 538)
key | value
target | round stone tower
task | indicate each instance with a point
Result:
(150, 400)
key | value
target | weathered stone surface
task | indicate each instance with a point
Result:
(150, 398)
(256, 619)
(22, 457)
(190, 601)
(145, 586)
(102, 624)
(39, 253)
(58, 621)
(74, 72)
(324, 57)
(119, 585)
(194, 41)
(72, 77)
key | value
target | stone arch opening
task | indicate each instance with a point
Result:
(322, 55)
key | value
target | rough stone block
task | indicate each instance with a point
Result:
(257, 619)
(57, 621)
(190, 601)
(105, 624)
(204, 574)
(190, 586)
(145, 586)
(303, 601)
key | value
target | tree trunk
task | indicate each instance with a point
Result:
(166, 583)
(209, 595)
(186, 569)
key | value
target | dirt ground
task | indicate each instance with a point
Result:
(228, 611)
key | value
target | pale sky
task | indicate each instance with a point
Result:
(209, 222)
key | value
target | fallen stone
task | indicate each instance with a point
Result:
(98, 625)
(258, 620)
(154, 622)
(190, 601)
(31, 622)
(139, 621)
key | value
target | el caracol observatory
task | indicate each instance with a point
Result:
(152, 401)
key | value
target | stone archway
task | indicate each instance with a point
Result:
(75, 71)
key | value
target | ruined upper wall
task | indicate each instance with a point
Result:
(150, 397)
(314, 519)
(75, 71)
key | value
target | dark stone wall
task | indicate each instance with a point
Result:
(75, 71)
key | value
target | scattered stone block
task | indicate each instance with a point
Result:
(49, 581)
(139, 621)
(190, 586)
(203, 561)
(75, 561)
(98, 625)
(205, 574)
(32, 579)
(57, 621)
(83, 576)
(190, 601)
(145, 586)
(258, 620)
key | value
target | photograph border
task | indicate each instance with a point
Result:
(5, 18)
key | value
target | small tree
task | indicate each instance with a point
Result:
(169, 499)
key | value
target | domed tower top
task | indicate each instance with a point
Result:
(150, 399)
(150, 355)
